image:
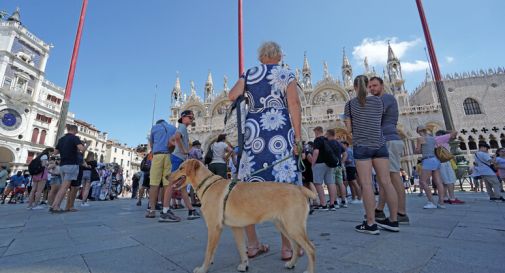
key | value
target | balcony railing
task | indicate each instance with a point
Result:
(415, 109)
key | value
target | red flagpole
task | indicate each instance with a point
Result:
(240, 41)
(444, 103)
(71, 72)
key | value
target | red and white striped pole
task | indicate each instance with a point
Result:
(70, 78)
(240, 41)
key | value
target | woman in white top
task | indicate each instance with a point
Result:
(219, 150)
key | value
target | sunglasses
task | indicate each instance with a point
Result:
(190, 117)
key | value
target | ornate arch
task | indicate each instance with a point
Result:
(220, 107)
(328, 94)
(198, 110)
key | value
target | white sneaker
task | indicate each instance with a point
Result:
(38, 207)
(430, 205)
(85, 204)
(356, 201)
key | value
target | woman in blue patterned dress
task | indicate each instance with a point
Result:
(272, 129)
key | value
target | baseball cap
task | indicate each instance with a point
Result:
(184, 114)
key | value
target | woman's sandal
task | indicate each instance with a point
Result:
(287, 254)
(255, 251)
(51, 210)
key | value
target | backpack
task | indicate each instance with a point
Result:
(35, 167)
(145, 165)
(209, 155)
(331, 153)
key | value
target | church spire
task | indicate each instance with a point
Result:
(346, 71)
(394, 70)
(365, 63)
(391, 54)
(306, 73)
(176, 91)
(15, 17)
(209, 87)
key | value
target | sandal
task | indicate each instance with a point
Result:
(51, 210)
(255, 251)
(71, 210)
(287, 254)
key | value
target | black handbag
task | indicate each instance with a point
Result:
(208, 156)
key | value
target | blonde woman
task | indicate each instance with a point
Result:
(273, 129)
(425, 145)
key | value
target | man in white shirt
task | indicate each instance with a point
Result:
(488, 175)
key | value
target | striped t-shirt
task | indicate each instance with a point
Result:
(366, 121)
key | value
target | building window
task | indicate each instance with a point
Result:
(7, 82)
(35, 135)
(53, 99)
(101, 158)
(43, 118)
(462, 144)
(121, 162)
(114, 160)
(493, 142)
(42, 139)
(21, 84)
(115, 150)
(471, 107)
(471, 144)
(128, 163)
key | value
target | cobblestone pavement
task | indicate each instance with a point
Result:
(114, 236)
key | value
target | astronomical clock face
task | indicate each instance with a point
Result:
(10, 119)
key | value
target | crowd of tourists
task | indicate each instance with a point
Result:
(63, 171)
(351, 170)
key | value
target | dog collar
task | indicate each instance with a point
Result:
(203, 182)
(208, 185)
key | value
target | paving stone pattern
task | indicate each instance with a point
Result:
(114, 236)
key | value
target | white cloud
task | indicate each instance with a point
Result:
(415, 66)
(377, 50)
(449, 59)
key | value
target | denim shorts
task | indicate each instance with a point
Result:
(55, 180)
(431, 164)
(367, 153)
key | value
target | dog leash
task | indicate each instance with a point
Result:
(234, 181)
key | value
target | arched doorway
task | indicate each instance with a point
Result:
(6, 156)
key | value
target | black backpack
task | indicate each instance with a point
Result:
(145, 165)
(331, 152)
(35, 167)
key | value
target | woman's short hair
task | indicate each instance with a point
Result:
(270, 50)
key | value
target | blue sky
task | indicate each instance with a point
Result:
(129, 46)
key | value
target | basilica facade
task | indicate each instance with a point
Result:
(476, 102)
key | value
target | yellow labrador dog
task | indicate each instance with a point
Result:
(247, 204)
